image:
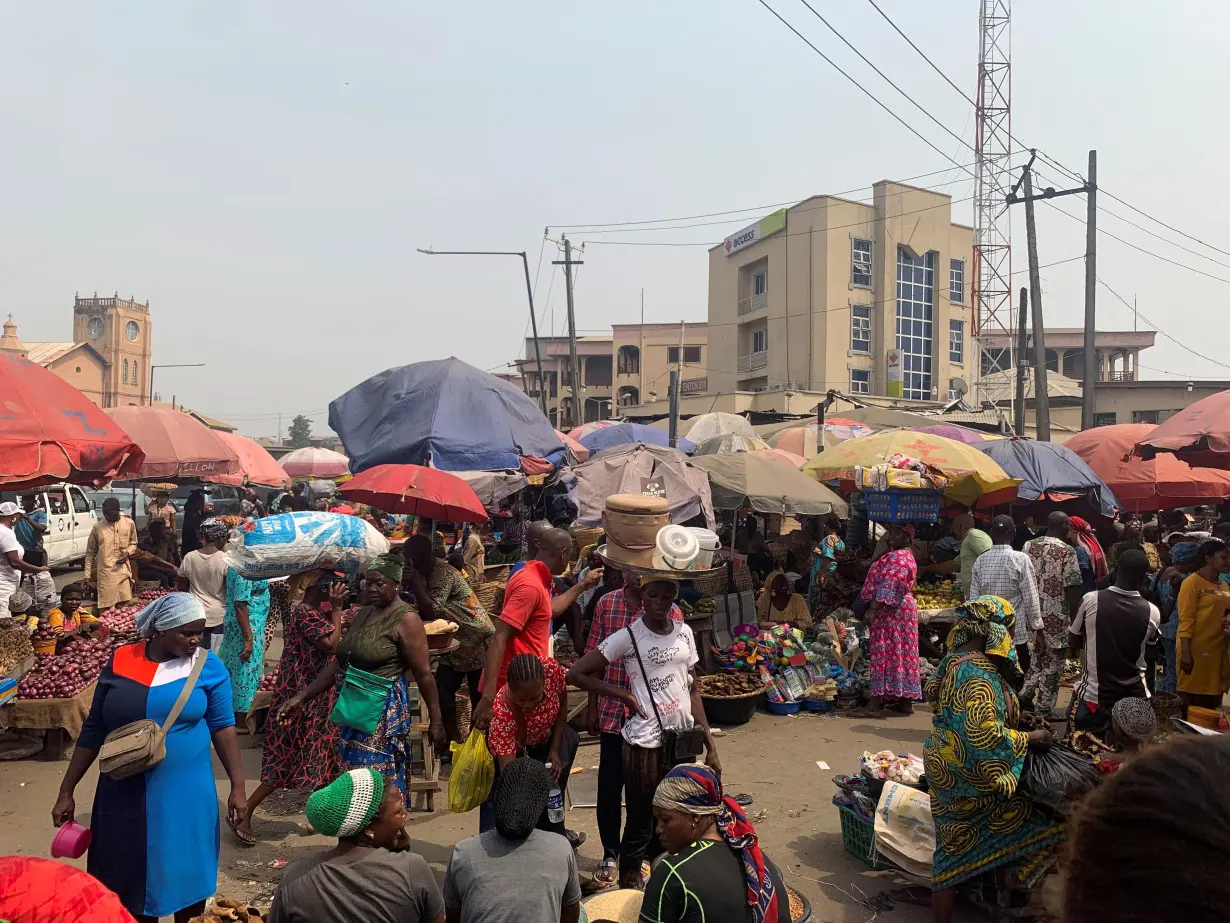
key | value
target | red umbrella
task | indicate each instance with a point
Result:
(50, 431)
(1164, 483)
(417, 491)
(259, 467)
(1199, 434)
(177, 446)
(313, 462)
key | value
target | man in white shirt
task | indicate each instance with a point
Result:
(203, 573)
(1009, 574)
(12, 563)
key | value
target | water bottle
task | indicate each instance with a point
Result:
(555, 803)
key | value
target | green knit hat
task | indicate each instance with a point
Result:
(346, 805)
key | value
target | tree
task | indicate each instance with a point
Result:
(300, 432)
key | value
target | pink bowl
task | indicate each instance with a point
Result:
(71, 841)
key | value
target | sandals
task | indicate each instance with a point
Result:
(244, 838)
(607, 876)
(577, 840)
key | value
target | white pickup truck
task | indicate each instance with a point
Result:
(70, 519)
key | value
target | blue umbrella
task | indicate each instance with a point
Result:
(444, 413)
(625, 433)
(1048, 470)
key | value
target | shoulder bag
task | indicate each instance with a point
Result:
(362, 697)
(685, 746)
(141, 745)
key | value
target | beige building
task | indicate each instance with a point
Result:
(108, 358)
(837, 294)
(622, 370)
(1117, 352)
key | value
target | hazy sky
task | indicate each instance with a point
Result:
(263, 173)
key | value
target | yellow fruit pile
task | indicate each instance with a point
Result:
(944, 595)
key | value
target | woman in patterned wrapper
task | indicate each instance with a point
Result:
(974, 759)
(892, 626)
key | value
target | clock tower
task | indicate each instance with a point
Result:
(120, 330)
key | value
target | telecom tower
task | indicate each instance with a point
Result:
(992, 182)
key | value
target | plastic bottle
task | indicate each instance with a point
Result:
(555, 803)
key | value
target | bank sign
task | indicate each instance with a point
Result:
(765, 227)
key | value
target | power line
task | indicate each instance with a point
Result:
(1156, 328)
(861, 88)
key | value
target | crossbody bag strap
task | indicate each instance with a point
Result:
(645, 679)
(189, 684)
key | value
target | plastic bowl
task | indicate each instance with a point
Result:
(818, 706)
(782, 708)
(71, 841)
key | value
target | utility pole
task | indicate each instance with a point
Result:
(1018, 409)
(576, 415)
(673, 403)
(1042, 403)
(1089, 389)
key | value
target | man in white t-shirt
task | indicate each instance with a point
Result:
(12, 563)
(203, 573)
(667, 683)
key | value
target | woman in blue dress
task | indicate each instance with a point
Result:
(243, 637)
(156, 833)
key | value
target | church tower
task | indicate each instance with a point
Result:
(120, 330)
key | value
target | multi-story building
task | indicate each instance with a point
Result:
(108, 358)
(1117, 352)
(871, 299)
(646, 354)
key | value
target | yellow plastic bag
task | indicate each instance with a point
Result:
(473, 773)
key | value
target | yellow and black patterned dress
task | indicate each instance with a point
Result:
(974, 760)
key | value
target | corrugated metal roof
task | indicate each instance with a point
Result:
(42, 353)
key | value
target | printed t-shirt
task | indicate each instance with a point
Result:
(502, 737)
(668, 660)
(206, 576)
(527, 608)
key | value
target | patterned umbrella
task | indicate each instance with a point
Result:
(315, 463)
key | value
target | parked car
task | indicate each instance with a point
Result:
(124, 494)
(70, 518)
(225, 500)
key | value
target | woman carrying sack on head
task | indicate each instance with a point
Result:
(666, 724)
(156, 832)
(382, 651)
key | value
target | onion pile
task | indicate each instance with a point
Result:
(269, 681)
(122, 618)
(62, 676)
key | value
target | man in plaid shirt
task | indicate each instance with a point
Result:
(615, 611)
(1009, 574)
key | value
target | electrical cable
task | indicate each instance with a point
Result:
(1158, 329)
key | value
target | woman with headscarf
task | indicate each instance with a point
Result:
(385, 645)
(778, 604)
(714, 868)
(975, 755)
(1089, 554)
(892, 627)
(301, 749)
(1166, 586)
(155, 838)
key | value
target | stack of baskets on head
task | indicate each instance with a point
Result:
(632, 523)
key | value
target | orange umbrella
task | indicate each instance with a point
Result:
(416, 491)
(1199, 434)
(1163, 483)
(177, 446)
(579, 452)
(786, 458)
(259, 467)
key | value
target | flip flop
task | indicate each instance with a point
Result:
(576, 839)
(743, 800)
(245, 839)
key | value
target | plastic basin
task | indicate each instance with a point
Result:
(71, 841)
(782, 708)
(731, 712)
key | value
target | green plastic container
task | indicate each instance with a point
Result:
(859, 838)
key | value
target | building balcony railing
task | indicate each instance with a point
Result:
(1119, 376)
(754, 303)
(753, 361)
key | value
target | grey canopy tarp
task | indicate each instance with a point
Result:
(625, 469)
(747, 479)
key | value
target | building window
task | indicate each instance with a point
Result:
(862, 262)
(760, 341)
(760, 282)
(956, 281)
(915, 313)
(125, 371)
(690, 354)
(628, 360)
(860, 328)
(1146, 416)
(956, 341)
(1105, 419)
(860, 381)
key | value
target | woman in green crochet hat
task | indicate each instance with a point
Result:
(385, 646)
(370, 874)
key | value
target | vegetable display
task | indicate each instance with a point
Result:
(15, 647)
(64, 675)
(729, 685)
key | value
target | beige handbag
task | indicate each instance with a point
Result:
(141, 745)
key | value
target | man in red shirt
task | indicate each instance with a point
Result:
(524, 625)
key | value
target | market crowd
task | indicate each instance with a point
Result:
(1141, 608)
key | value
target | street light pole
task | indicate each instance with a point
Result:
(529, 294)
(173, 365)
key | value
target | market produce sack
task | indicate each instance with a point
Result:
(291, 543)
(361, 700)
(141, 745)
(1058, 776)
(905, 830)
(473, 773)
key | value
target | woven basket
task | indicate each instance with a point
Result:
(463, 712)
(496, 573)
(583, 537)
(486, 593)
(1166, 705)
